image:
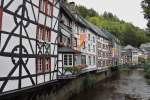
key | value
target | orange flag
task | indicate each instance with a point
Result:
(82, 38)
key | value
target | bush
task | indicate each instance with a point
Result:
(147, 72)
(73, 70)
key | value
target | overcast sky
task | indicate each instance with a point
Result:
(128, 10)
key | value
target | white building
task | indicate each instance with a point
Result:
(146, 49)
(131, 55)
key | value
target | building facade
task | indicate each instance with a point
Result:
(47, 40)
(28, 43)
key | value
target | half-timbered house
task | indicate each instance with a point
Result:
(67, 43)
(87, 45)
(115, 50)
(103, 51)
(28, 43)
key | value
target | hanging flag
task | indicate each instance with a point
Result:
(82, 39)
(113, 52)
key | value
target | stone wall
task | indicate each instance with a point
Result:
(62, 89)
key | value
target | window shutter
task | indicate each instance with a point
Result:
(43, 64)
(46, 6)
(1, 15)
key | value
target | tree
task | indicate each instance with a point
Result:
(127, 33)
(146, 9)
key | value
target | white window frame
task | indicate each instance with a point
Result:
(68, 65)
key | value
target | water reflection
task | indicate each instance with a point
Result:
(120, 87)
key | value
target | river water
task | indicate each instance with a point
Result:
(120, 86)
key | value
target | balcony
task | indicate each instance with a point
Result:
(66, 30)
(71, 72)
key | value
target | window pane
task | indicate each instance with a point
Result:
(65, 60)
(49, 9)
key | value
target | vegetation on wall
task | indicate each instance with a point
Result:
(126, 32)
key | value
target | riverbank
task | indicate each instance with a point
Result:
(124, 85)
(76, 86)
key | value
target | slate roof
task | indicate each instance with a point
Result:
(87, 24)
(67, 50)
(64, 6)
(129, 47)
(145, 46)
(94, 28)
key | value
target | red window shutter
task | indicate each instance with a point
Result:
(1, 15)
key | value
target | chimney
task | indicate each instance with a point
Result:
(72, 6)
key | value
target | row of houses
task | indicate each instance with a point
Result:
(42, 41)
(82, 44)
(133, 55)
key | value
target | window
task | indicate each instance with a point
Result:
(47, 35)
(68, 60)
(43, 4)
(103, 63)
(64, 40)
(84, 45)
(75, 42)
(39, 65)
(49, 9)
(103, 46)
(44, 34)
(94, 60)
(1, 15)
(43, 64)
(46, 7)
(40, 33)
(99, 53)
(93, 39)
(99, 63)
(69, 41)
(83, 59)
(89, 47)
(89, 60)
(89, 36)
(48, 64)
(93, 48)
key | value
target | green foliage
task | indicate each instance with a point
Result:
(147, 72)
(141, 60)
(73, 70)
(127, 33)
(146, 9)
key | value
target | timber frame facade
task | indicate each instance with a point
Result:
(28, 43)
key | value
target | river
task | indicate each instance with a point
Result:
(125, 84)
